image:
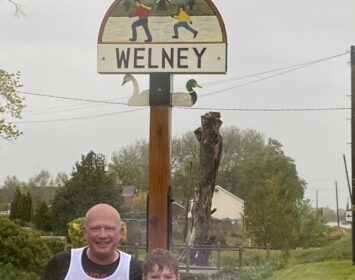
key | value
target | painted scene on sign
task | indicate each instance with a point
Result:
(162, 21)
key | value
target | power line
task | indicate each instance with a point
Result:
(266, 109)
(71, 98)
(303, 65)
(288, 69)
(295, 67)
(81, 118)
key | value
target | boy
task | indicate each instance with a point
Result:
(160, 264)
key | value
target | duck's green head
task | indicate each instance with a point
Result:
(192, 84)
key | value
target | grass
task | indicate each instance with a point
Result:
(328, 270)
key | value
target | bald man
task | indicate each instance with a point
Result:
(100, 259)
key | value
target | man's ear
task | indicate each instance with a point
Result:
(143, 276)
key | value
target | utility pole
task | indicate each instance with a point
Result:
(352, 62)
(336, 195)
(347, 176)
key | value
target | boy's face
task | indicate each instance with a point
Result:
(161, 275)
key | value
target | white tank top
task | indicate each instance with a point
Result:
(76, 271)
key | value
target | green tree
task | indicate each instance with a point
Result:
(22, 248)
(310, 228)
(129, 166)
(26, 207)
(10, 103)
(265, 164)
(41, 217)
(237, 145)
(16, 207)
(21, 206)
(89, 184)
(272, 190)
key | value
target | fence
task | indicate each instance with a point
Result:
(219, 249)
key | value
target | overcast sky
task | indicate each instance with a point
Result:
(54, 47)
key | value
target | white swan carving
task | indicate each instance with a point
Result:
(137, 99)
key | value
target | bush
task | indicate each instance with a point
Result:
(56, 245)
(22, 248)
(9, 272)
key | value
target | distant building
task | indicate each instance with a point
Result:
(128, 193)
(226, 205)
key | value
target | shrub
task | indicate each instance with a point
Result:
(76, 234)
(56, 245)
(9, 272)
(22, 248)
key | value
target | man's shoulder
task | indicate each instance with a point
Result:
(135, 269)
(62, 258)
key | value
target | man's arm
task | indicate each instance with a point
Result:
(57, 267)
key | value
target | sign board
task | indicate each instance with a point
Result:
(162, 36)
(348, 216)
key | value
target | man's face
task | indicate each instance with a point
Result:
(165, 274)
(102, 233)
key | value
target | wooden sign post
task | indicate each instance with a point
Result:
(146, 37)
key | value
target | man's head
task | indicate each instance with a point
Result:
(102, 232)
(137, 2)
(160, 264)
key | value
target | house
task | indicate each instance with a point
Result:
(226, 205)
(128, 195)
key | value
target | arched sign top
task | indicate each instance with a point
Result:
(173, 36)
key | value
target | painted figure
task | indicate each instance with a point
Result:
(142, 12)
(184, 20)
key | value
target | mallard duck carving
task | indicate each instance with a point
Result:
(137, 99)
(185, 99)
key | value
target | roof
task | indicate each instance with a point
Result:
(219, 188)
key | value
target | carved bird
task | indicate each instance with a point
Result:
(137, 99)
(186, 99)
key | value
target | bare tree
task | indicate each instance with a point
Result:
(210, 154)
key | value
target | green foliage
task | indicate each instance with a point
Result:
(9, 272)
(41, 218)
(15, 211)
(336, 250)
(334, 270)
(90, 184)
(310, 230)
(269, 183)
(55, 245)
(130, 165)
(21, 207)
(10, 103)
(22, 248)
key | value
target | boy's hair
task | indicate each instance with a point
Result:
(162, 258)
